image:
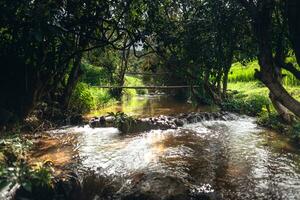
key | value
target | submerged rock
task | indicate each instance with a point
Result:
(154, 186)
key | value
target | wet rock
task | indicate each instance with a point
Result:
(76, 119)
(161, 122)
(138, 125)
(154, 186)
(69, 188)
(102, 121)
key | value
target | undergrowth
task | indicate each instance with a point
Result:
(87, 98)
(35, 179)
(252, 98)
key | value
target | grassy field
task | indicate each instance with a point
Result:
(256, 88)
(245, 73)
(251, 97)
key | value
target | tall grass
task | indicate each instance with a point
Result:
(245, 73)
(242, 73)
(86, 98)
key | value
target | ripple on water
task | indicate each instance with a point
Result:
(232, 158)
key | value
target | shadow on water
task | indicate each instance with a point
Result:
(229, 159)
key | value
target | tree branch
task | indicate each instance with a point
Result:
(291, 68)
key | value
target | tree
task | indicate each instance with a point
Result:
(261, 13)
(42, 43)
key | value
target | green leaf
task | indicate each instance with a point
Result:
(27, 186)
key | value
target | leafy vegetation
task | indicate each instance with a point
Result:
(134, 81)
(251, 97)
(122, 121)
(86, 98)
(14, 167)
(249, 105)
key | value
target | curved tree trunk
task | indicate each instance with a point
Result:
(72, 80)
(262, 28)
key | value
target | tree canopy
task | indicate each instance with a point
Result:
(44, 42)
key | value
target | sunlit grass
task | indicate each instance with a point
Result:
(253, 88)
(133, 81)
(245, 73)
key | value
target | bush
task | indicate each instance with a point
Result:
(255, 104)
(252, 105)
(271, 120)
(295, 131)
(133, 81)
(82, 99)
(94, 75)
(14, 167)
(122, 121)
(86, 98)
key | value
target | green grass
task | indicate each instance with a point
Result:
(245, 73)
(255, 88)
(133, 81)
(252, 98)
(87, 98)
(242, 73)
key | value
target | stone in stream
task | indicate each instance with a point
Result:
(160, 122)
(154, 186)
(138, 125)
(158, 186)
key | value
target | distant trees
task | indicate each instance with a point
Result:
(197, 41)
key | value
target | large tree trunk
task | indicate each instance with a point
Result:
(268, 75)
(227, 69)
(117, 92)
(293, 16)
(74, 75)
(225, 81)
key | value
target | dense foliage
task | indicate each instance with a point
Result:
(47, 46)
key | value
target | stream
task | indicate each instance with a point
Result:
(210, 159)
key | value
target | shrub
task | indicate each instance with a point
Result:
(86, 98)
(82, 99)
(271, 120)
(252, 105)
(133, 81)
(94, 75)
(295, 131)
(14, 167)
(122, 121)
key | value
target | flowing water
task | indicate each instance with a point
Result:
(230, 159)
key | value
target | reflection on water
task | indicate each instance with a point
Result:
(151, 105)
(235, 159)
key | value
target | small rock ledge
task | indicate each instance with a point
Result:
(162, 122)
